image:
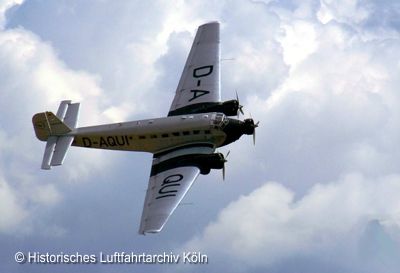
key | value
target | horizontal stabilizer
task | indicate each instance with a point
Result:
(62, 109)
(48, 152)
(71, 117)
(60, 151)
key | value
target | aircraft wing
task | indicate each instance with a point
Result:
(200, 79)
(170, 180)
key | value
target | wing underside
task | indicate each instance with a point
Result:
(200, 79)
(169, 182)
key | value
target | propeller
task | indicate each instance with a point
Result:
(255, 125)
(223, 167)
(240, 106)
(254, 133)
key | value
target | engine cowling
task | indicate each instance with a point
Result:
(205, 162)
(229, 108)
(208, 162)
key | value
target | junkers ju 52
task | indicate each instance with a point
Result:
(183, 144)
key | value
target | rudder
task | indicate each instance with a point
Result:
(47, 124)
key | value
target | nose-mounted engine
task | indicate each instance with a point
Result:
(248, 126)
(234, 129)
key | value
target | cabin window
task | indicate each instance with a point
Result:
(196, 132)
(142, 137)
(186, 133)
(164, 135)
(207, 132)
(175, 133)
(153, 136)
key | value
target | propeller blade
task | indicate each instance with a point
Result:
(240, 106)
(237, 99)
(223, 167)
(255, 125)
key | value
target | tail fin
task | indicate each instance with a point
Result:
(54, 129)
(47, 124)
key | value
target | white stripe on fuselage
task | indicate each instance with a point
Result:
(153, 135)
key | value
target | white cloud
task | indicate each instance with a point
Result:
(4, 6)
(12, 210)
(46, 195)
(345, 10)
(269, 225)
(321, 76)
(34, 79)
(335, 112)
(298, 42)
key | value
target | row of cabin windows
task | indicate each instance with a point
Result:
(184, 133)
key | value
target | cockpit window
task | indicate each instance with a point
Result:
(219, 118)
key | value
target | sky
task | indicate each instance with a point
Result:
(318, 193)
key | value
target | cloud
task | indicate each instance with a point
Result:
(347, 11)
(270, 225)
(129, 48)
(34, 79)
(334, 112)
(11, 211)
(321, 76)
(5, 5)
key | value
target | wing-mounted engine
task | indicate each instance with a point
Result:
(229, 108)
(205, 162)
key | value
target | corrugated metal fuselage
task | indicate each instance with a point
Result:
(153, 135)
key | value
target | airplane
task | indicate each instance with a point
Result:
(183, 144)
